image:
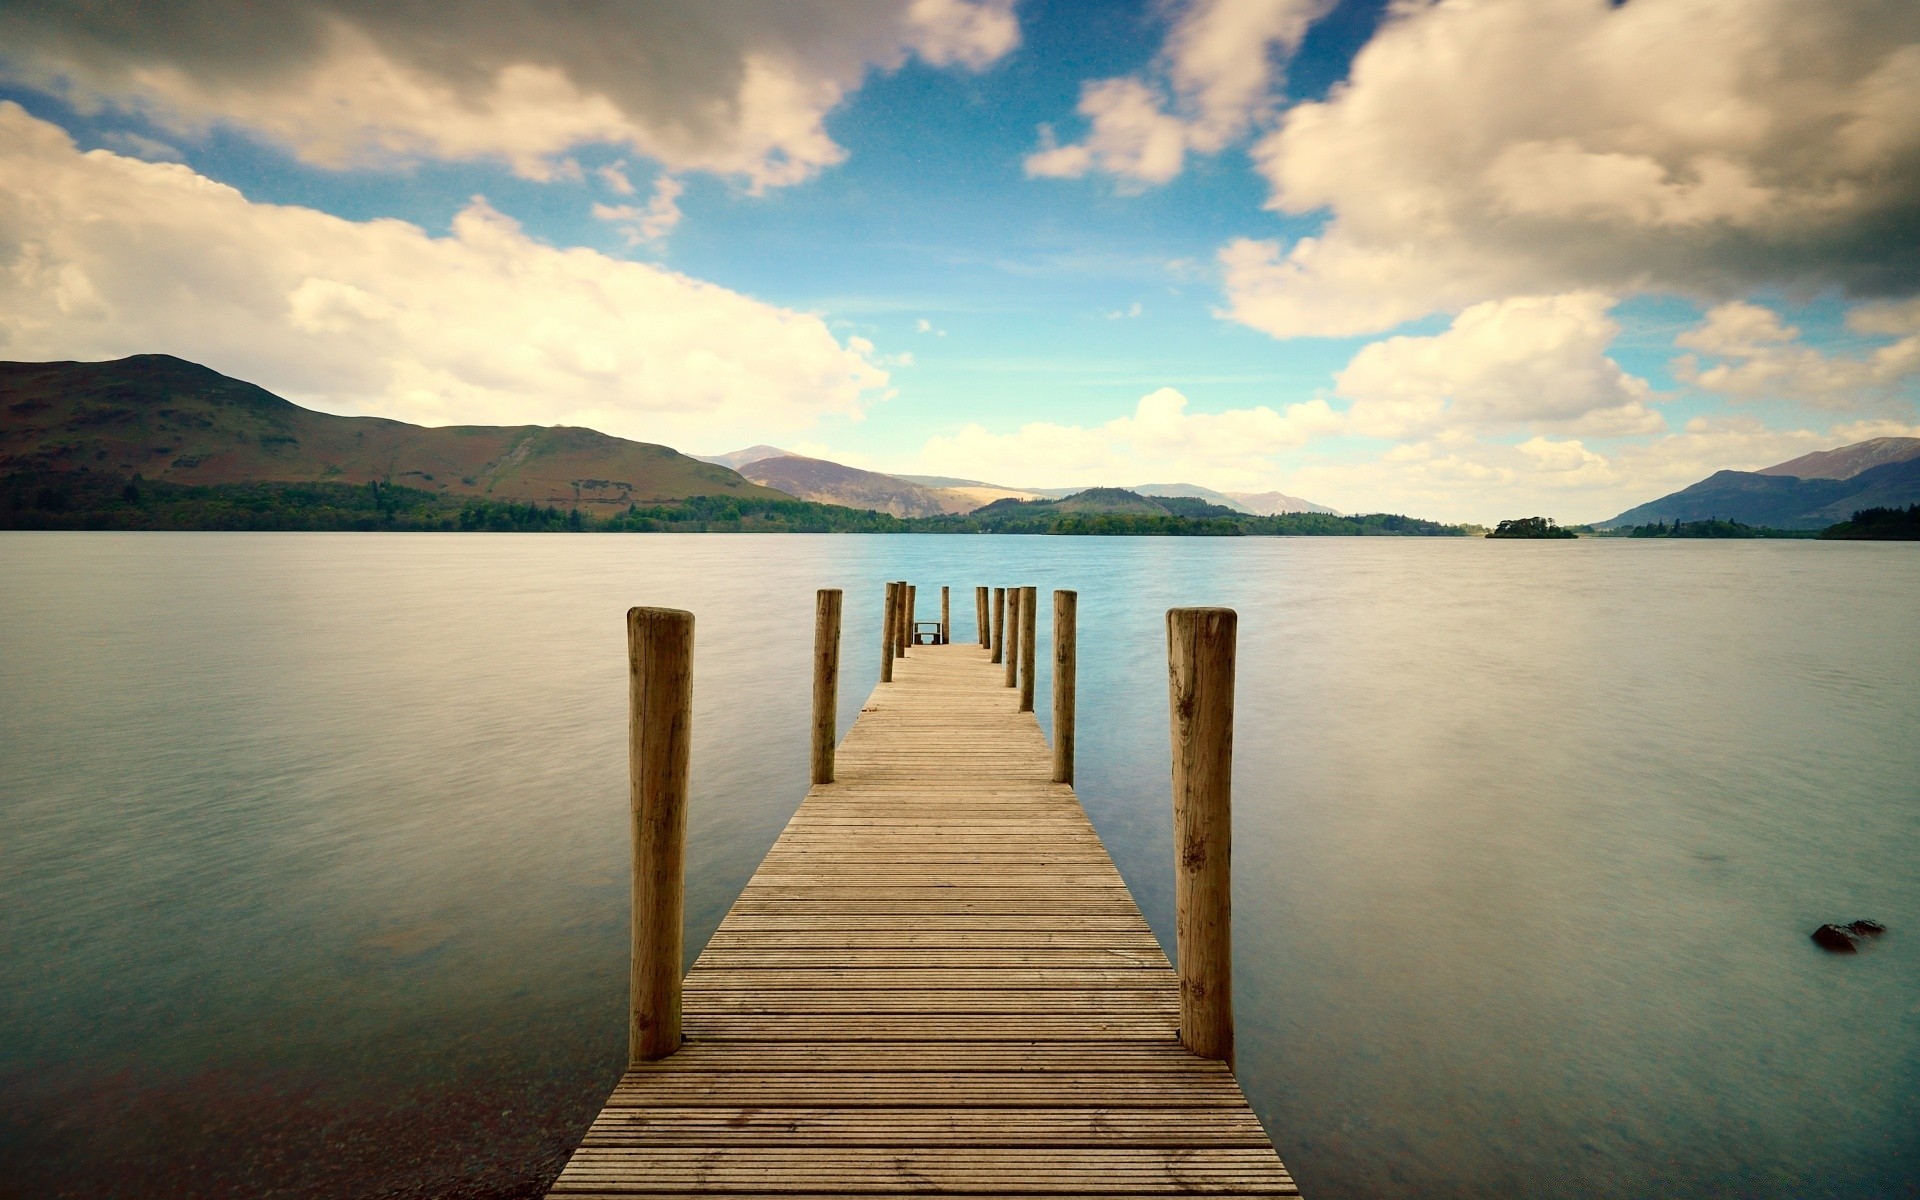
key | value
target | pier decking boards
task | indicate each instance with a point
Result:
(936, 984)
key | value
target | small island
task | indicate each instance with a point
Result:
(1531, 527)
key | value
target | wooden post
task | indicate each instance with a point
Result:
(946, 616)
(900, 619)
(659, 744)
(888, 637)
(999, 623)
(1028, 602)
(826, 680)
(1200, 653)
(907, 617)
(1065, 607)
(981, 621)
(1013, 637)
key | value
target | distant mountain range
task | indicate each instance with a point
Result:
(164, 418)
(913, 495)
(740, 458)
(832, 483)
(1810, 492)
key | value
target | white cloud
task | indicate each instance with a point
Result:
(1159, 439)
(739, 87)
(1125, 314)
(1532, 146)
(922, 325)
(1761, 357)
(1531, 362)
(973, 33)
(614, 175)
(111, 256)
(652, 223)
(1221, 63)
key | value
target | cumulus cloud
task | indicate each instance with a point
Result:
(1215, 77)
(1762, 357)
(106, 255)
(739, 87)
(1160, 438)
(1533, 146)
(651, 223)
(1530, 362)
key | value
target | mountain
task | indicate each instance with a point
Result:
(736, 459)
(973, 492)
(1774, 498)
(1190, 491)
(1269, 504)
(1265, 504)
(1847, 461)
(834, 483)
(164, 418)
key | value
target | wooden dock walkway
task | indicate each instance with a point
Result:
(936, 984)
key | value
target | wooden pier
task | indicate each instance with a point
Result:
(935, 984)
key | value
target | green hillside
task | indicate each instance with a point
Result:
(164, 419)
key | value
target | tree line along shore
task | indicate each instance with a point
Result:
(104, 501)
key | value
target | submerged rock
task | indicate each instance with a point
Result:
(1845, 939)
(1837, 938)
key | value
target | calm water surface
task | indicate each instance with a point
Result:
(313, 873)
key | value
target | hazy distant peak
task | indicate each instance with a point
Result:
(1270, 504)
(1847, 461)
(736, 459)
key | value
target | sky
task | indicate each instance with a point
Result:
(1467, 259)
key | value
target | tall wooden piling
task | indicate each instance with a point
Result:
(1029, 601)
(659, 744)
(981, 622)
(906, 640)
(826, 680)
(890, 613)
(900, 610)
(946, 616)
(1013, 637)
(999, 624)
(1200, 656)
(1065, 609)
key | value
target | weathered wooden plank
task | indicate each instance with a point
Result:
(984, 1128)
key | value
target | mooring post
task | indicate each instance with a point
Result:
(659, 745)
(1065, 606)
(1200, 653)
(890, 613)
(999, 624)
(900, 619)
(946, 616)
(981, 622)
(826, 680)
(1013, 637)
(906, 642)
(1029, 602)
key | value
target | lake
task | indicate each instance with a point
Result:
(314, 869)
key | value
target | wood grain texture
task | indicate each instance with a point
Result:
(660, 740)
(1012, 665)
(890, 613)
(936, 984)
(826, 680)
(1200, 654)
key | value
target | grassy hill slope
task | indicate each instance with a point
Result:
(163, 418)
